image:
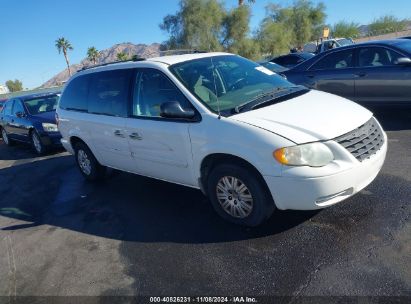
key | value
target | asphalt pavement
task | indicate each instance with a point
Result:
(130, 235)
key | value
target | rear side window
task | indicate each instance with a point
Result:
(75, 95)
(7, 108)
(335, 60)
(109, 92)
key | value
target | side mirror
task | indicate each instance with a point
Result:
(20, 114)
(173, 109)
(403, 61)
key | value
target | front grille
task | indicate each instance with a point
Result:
(364, 141)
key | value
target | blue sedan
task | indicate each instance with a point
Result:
(31, 119)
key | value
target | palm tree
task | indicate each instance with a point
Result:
(93, 54)
(241, 2)
(122, 56)
(62, 44)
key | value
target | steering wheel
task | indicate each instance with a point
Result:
(236, 83)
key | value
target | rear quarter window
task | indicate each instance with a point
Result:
(75, 95)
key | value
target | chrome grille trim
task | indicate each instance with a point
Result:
(364, 141)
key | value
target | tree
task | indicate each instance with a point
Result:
(93, 54)
(196, 25)
(63, 45)
(122, 56)
(345, 29)
(386, 24)
(303, 18)
(14, 86)
(274, 38)
(241, 2)
(236, 33)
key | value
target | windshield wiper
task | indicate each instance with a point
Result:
(266, 96)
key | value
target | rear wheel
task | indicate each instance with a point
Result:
(87, 163)
(6, 138)
(239, 195)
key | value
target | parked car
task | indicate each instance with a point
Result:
(2, 101)
(292, 59)
(371, 73)
(248, 138)
(272, 66)
(31, 119)
(325, 45)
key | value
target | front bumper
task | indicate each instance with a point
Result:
(66, 145)
(51, 138)
(309, 193)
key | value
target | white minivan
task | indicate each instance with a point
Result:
(248, 138)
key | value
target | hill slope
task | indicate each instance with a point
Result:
(107, 55)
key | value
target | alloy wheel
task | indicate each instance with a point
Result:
(234, 197)
(36, 143)
(84, 162)
(4, 135)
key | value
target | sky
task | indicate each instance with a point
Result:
(29, 28)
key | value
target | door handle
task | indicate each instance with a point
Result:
(118, 133)
(310, 76)
(361, 74)
(135, 136)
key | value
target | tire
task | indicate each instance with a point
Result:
(87, 163)
(36, 143)
(250, 205)
(6, 138)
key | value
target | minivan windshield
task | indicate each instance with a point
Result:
(223, 83)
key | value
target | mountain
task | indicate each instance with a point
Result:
(107, 55)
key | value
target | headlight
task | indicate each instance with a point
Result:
(49, 127)
(314, 155)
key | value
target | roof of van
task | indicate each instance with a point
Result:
(185, 57)
(168, 60)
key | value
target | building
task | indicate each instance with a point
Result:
(3, 89)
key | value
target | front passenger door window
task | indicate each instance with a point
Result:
(152, 89)
(377, 57)
(18, 108)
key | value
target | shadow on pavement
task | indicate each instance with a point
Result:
(20, 151)
(124, 206)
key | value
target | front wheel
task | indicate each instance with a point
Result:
(239, 195)
(87, 163)
(38, 146)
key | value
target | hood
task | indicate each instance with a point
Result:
(49, 117)
(310, 117)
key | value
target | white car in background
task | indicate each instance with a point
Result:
(327, 44)
(249, 139)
